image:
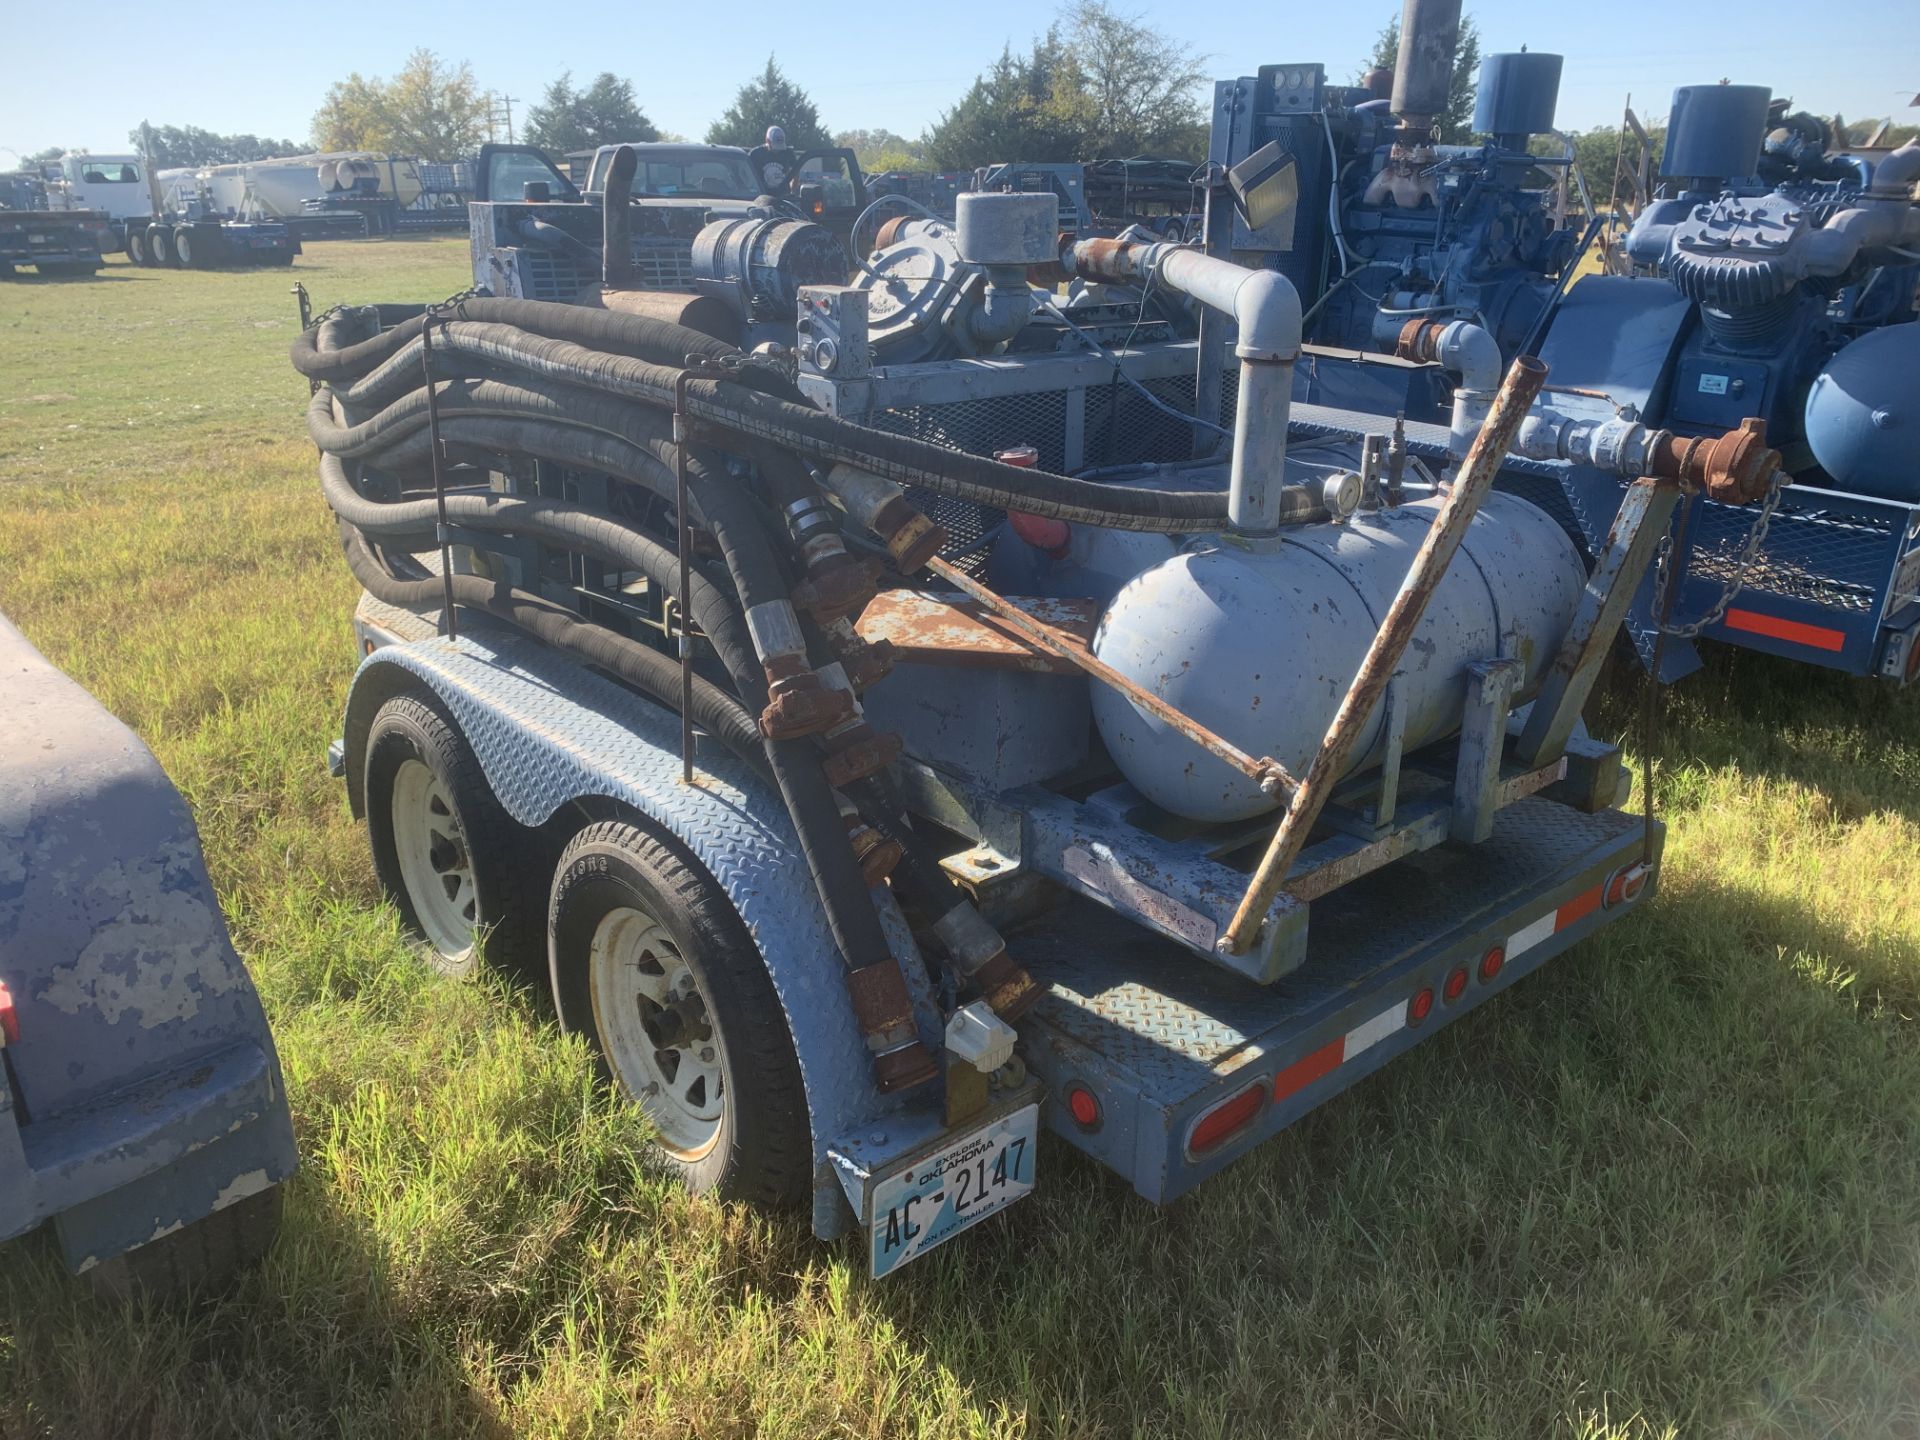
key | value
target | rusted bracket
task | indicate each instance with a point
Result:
(1449, 528)
(1645, 511)
(1269, 774)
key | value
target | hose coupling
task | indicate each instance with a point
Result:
(856, 750)
(980, 956)
(800, 703)
(865, 661)
(884, 1012)
(882, 507)
(1735, 467)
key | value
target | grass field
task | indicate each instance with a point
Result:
(1669, 1187)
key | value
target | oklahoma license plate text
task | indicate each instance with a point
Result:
(939, 1195)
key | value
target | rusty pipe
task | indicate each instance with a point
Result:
(1383, 657)
(1269, 774)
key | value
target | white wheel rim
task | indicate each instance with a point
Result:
(656, 1030)
(185, 249)
(434, 863)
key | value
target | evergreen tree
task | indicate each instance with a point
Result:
(605, 113)
(770, 99)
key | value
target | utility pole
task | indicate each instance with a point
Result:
(500, 115)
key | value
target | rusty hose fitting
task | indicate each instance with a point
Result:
(884, 1011)
(800, 703)
(855, 750)
(837, 584)
(1736, 467)
(882, 507)
(980, 956)
(866, 662)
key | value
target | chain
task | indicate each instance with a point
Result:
(1743, 562)
(325, 315)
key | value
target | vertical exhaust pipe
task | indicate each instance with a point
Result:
(616, 220)
(1423, 70)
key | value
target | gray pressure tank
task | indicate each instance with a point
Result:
(1517, 95)
(1863, 414)
(1261, 645)
(1714, 131)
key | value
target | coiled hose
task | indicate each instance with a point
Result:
(734, 406)
(725, 718)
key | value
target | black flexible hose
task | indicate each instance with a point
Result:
(318, 355)
(574, 527)
(639, 665)
(774, 420)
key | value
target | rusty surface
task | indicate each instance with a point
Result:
(863, 752)
(911, 538)
(1269, 774)
(904, 1068)
(1010, 990)
(1483, 459)
(1735, 468)
(928, 629)
(889, 231)
(1419, 340)
(838, 586)
(802, 704)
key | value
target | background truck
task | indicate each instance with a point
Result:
(185, 228)
(54, 241)
(142, 1110)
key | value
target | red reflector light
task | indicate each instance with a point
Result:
(1492, 963)
(1420, 1006)
(1625, 885)
(1456, 985)
(9, 1017)
(1226, 1119)
(1084, 1108)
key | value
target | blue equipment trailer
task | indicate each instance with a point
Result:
(141, 1105)
(1771, 276)
(867, 813)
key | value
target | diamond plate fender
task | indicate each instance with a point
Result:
(548, 732)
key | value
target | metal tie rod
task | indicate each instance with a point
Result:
(1449, 528)
(1269, 774)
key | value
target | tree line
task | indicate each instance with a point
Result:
(1098, 83)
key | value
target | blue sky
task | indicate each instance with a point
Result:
(263, 69)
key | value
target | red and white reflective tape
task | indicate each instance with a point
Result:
(1335, 1053)
(1623, 885)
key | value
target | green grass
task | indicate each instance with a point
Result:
(1669, 1187)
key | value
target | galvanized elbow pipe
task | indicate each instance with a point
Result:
(1266, 308)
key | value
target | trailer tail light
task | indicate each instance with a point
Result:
(1624, 885)
(1227, 1119)
(9, 1018)
(1084, 1106)
(1456, 985)
(1492, 963)
(1420, 1006)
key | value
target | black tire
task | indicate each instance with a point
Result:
(761, 1149)
(206, 1255)
(137, 247)
(160, 245)
(186, 250)
(508, 865)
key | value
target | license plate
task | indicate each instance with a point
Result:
(939, 1195)
(36, 239)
